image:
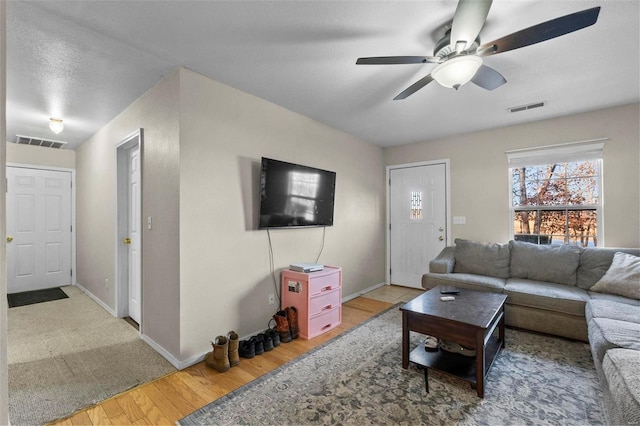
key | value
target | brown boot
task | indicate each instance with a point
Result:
(234, 358)
(292, 318)
(219, 359)
(282, 326)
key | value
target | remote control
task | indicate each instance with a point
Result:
(447, 298)
(449, 290)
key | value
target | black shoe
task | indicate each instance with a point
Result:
(259, 344)
(246, 349)
(268, 342)
(275, 337)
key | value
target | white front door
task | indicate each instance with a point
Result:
(134, 234)
(418, 221)
(38, 229)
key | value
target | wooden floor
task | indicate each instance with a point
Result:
(170, 398)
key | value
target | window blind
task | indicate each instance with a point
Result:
(569, 152)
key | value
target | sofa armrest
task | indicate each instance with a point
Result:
(444, 262)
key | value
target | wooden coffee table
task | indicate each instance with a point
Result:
(469, 320)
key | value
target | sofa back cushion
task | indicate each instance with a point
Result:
(595, 262)
(491, 259)
(550, 263)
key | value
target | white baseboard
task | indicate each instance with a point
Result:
(180, 365)
(360, 293)
(97, 300)
(162, 351)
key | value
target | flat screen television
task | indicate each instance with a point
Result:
(293, 195)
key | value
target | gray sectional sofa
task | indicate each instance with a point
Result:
(586, 294)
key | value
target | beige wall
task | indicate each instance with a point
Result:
(206, 268)
(157, 113)
(479, 175)
(224, 271)
(39, 156)
(4, 375)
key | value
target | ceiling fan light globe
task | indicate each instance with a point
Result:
(457, 71)
(56, 125)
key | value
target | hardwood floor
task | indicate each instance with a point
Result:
(170, 398)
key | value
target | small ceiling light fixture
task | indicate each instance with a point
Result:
(56, 125)
(457, 71)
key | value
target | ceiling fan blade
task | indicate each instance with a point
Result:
(393, 60)
(467, 22)
(541, 32)
(488, 78)
(414, 87)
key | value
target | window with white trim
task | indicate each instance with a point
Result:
(556, 194)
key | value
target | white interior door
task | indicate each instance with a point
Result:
(418, 219)
(38, 229)
(135, 276)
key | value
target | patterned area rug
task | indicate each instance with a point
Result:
(357, 378)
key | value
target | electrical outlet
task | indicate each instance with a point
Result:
(272, 299)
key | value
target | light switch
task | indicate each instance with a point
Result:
(149, 223)
(459, 220)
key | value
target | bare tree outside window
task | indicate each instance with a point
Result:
(556, 203)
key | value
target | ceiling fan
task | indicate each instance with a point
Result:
(459, 53)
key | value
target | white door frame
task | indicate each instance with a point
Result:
(447, 165)
(122, 208)
(73, 207)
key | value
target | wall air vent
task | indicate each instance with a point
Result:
(47, 143)
(526, 107)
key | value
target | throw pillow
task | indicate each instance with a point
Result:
(490, 259)
(622, 278)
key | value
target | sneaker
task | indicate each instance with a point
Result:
(247, 349)
(258, 343)
(431, 344)
(275, 337)
(268, 342)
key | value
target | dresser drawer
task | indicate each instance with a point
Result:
(324, 302)
(324, 322)
(320, 285)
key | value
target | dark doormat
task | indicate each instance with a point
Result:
(35, 296)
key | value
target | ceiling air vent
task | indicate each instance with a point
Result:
(47, 143)
(526, 107)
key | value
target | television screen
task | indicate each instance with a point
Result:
(292, 195)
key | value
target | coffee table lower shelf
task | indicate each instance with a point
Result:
(457, 365)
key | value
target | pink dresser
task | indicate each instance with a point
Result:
(318, 298)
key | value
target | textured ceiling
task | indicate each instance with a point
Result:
(86, 61)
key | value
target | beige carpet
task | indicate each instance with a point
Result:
(67, 354)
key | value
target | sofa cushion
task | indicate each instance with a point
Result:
(613, 298)
(594, 262)
(550, 263)
(622, 370)
(622, 278)
(612, 310)
(470, 281)
(606, 334)
(490, 259)
(548, 296)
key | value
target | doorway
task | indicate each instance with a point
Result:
(129, 228)
(418, 219)
(39, 228)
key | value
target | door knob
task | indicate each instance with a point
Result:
(441, 238)
(127, 241)
(9, 239)
(441, 229)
